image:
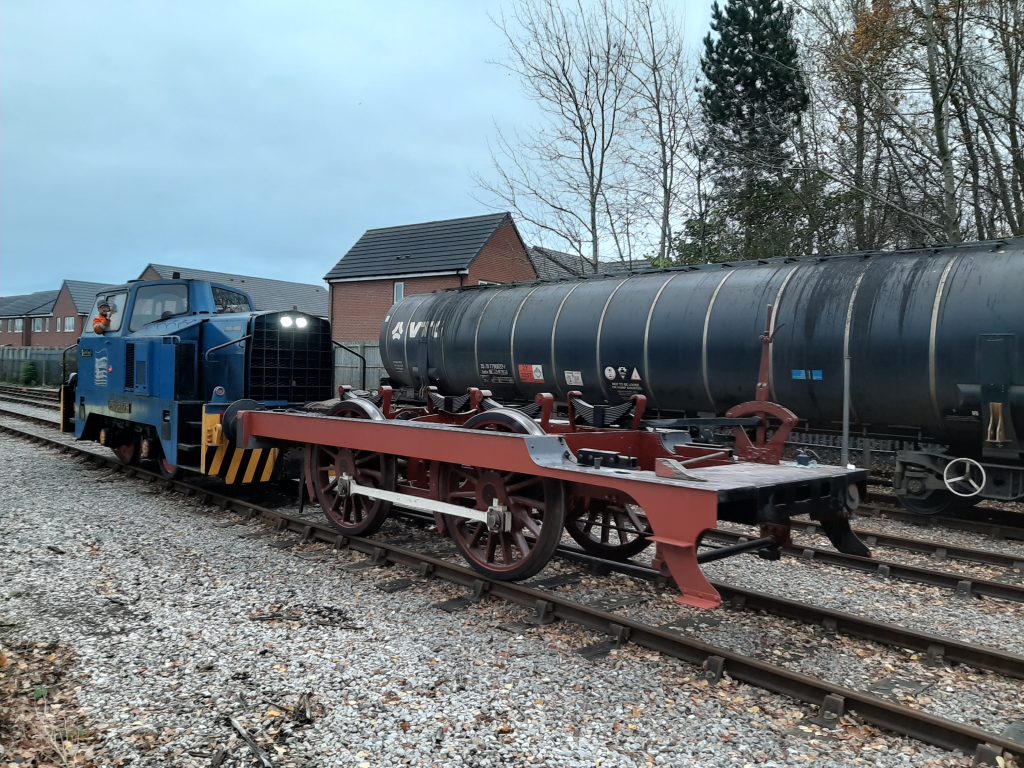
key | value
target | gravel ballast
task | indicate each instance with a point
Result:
(181, 618)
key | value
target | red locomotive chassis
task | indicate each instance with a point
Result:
(506, 497)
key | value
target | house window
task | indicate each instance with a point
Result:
(69, 324)
(46, 325)
(37, 325)
(10, 326)
(399, 292)
(57, 324)
(19, 325)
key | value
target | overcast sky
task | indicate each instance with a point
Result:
(259, 137)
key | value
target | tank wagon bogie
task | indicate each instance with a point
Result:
(932, 339)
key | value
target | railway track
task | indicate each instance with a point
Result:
(967, 585)
(831, 698)
(39, 398)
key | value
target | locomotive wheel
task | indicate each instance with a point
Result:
(128, 451)
(355, 515)
(939, 502)
(610, 530)
(167, 470)
(536, 506)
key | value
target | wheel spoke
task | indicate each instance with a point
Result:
(526, 482)
(522, 542)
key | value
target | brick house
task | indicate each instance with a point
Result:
(387, 264)
(65, 320)
(18, 313)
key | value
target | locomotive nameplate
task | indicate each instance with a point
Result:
(119, 406)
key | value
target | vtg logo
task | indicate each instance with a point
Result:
(418, 329)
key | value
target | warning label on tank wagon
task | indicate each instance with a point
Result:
(624, 379)
(495, 373)
(531, 374)
(574, 378)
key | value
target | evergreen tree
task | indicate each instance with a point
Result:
(752, 101)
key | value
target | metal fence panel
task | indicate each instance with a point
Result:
(49, 361)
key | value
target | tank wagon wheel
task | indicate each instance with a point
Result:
(351, 514)
(609, 529)
(938, 502)
(537, 507)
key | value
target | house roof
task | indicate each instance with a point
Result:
(83, 294)
(38, 303)
(433, 247)
(555, 265)
(558, 265)
(266, 294)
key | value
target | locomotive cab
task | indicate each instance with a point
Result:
(157, 380)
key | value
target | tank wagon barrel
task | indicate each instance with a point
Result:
(932, 337)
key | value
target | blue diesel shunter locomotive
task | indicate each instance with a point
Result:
(178, 360)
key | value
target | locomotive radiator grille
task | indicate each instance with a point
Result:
(290, 363)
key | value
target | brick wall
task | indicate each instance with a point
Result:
(63, 307)
(503, 259)
(12, 338)
(358, 308)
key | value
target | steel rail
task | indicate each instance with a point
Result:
(52, 423)
(963, 583)
(34, 403)
(937, 549)
(937, 647)
(833, 699)
(1005, 524)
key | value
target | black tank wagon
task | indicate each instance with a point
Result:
(933, 339)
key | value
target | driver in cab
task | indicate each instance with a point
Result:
(102, 322)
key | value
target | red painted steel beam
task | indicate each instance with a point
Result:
(679, 511)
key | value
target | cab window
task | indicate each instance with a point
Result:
(116, 302)
(230, 301)
(158, 302)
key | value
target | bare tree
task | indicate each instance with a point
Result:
(662, 112)
(574, 63)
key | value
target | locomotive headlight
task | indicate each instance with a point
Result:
(286, 321)
(301, 322)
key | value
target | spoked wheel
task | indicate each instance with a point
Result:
(352, 514)
(536, 508)
(610, 529)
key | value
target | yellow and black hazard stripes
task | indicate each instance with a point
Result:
(234, 465)
(237, 465)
